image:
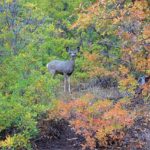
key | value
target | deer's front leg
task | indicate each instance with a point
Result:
(69, 84)
(65, 82)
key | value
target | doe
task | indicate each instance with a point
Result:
(65, 68)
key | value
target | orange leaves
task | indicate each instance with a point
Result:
(91, 57)
(117, 114)
(93, 65)
(99, 10)
(116, 20)
(123, 70)
(99, 71)
(85, 18)
(139, 10)
(101, 134)
(100, 106)
(115, 118)
(93, 9)
(83, 21)
(142, 4)
(91, 142)
(93, 119)
(128, 84)
(134, 41)
(139, 14)
(126, 80)
(126, 35)
(141, 62)
(146, 31)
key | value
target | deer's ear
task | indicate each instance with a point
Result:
(67, 49)
(78, 49)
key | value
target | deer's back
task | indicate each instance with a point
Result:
(61, 67)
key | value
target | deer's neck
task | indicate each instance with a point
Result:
(71, 65)
(72, 61)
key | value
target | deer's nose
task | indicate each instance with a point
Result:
(73, 55)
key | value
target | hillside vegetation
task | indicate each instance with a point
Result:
(108, 107)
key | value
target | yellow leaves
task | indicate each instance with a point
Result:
(148, 66)
(142, 4)
(128, 83)
(51, 28)
(22, 55)
(140, 65)
(8, 142)
(102, 132)
(140, 62)
(124, 70)
(116, 20)
(127, 51)
(84, 19)
(31, 5)
(100, 106)
(9, 1)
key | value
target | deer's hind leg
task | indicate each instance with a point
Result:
(53, 72)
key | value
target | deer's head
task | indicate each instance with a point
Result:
(73, 53)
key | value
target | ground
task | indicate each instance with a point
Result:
(58, 135)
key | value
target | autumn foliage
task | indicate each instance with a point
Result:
(129, 22)
(114, 38)
(93, 119)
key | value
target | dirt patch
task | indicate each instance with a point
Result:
(56, 135)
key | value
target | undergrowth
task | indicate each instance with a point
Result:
(94, 119)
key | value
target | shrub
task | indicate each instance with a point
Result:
(18, 123)
(94, 120)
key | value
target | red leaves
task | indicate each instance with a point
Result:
(93, 120)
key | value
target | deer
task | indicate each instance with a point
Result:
(65, 68)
